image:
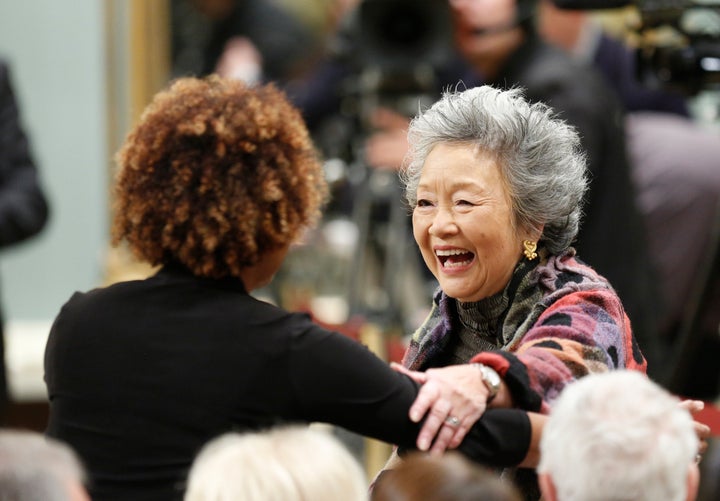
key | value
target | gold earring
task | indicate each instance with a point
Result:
(530, 248)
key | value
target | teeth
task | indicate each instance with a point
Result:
(449, 264)
(453, 252)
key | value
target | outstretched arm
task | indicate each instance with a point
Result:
(341, 382)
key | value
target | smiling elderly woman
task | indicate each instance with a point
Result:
(496, 185)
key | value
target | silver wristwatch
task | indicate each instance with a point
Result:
(491, 379)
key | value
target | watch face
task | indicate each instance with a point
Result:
(491, 379)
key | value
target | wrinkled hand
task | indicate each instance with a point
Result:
(702, 430)
(456, 391)
(387, 147)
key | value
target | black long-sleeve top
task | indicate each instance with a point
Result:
(141, 374)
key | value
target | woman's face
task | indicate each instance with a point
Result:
(463, 222)
(485, 30)
(474, 17)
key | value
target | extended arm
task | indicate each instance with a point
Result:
(341, 382)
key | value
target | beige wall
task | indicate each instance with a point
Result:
(82, 71)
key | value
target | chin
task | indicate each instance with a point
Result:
(456, 294)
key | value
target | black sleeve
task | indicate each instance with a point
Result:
(500, 438)
(23, 207)
(339, 381)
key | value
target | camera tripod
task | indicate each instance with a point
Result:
(384, 284)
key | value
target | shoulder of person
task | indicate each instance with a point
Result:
(567, 271)
(560, 81)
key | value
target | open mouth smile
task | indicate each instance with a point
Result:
(454, 258)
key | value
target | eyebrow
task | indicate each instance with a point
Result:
(460, 185)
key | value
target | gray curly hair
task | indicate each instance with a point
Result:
(539, 155)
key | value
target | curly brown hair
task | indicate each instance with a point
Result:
(214, 175)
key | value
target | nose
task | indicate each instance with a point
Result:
(443, 222)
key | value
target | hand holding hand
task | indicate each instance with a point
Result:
(453, 398)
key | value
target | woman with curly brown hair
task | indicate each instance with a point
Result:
(216, 181)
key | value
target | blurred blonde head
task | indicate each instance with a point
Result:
(283, 464)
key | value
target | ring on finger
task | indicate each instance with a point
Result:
(453, 421)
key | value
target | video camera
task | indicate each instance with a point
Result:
(678, 41)
(394, 47)
(398, 34)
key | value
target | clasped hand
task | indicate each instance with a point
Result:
(455, 391)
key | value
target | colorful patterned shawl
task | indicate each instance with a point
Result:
(563, 321)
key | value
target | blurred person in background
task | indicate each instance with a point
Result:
(251, 40)
(36, 468)
(281, 464)
(216, 182)
(589, 42)
(675, 170)
(450, 477)
(678, 178)
(618, 436)
(23, 204)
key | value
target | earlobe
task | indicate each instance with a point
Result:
(547, 487)
(536, 233)
(531, 234)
